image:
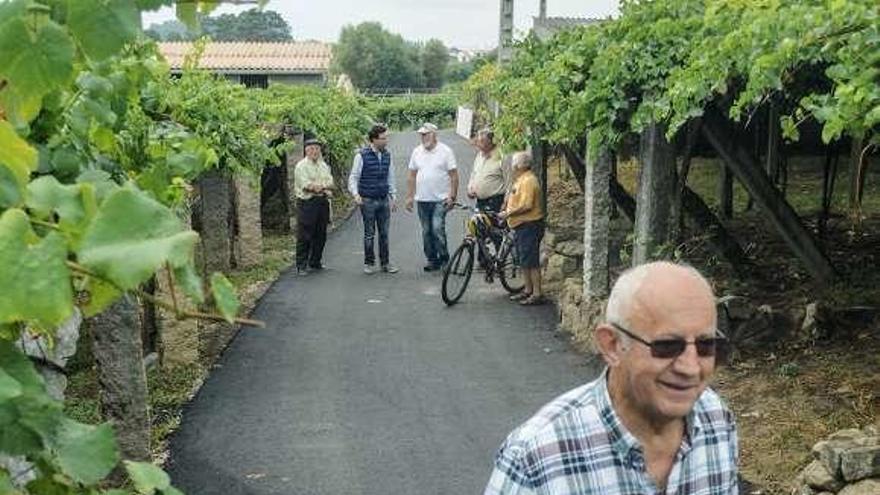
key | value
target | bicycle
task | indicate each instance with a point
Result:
(492, 242)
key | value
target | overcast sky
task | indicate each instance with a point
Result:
(458, 23)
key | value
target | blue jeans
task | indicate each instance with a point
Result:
(376, 213)
(432, 214)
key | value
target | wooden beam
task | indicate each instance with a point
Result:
(575, 164)
(719, 133)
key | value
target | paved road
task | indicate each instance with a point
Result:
(370, 384)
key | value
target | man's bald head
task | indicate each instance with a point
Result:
(643, 291)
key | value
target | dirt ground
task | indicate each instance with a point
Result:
(790, 395)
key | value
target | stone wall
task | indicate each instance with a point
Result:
(847, 463)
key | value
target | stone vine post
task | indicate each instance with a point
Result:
(248, 242)
(123, 381)
(213, 213)
(656, 190)
(597, 221)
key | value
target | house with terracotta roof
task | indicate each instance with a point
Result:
(256, 64)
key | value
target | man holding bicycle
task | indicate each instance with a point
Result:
(489, 177)
(649, 424)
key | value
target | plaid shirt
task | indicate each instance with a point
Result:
(577, 445)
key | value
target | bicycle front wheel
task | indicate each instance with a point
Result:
(509, 273)
(458, 273)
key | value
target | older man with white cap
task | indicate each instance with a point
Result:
(433, 184)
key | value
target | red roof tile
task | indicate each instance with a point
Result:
(245, 56)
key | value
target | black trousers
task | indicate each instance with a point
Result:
(311, 234)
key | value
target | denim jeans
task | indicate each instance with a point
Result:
(376, 213)
(432, 215)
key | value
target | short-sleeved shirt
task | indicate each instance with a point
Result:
(577, 445)
(307, 173)
(490, 176)
(432, 167)
(526, 191)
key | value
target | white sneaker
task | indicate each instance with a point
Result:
(369, 269)
(389, 268)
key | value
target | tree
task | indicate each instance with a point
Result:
(435, 58)
(250, 25)
(375, 58)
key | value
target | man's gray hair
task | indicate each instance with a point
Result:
(522, 160)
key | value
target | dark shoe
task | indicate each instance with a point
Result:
(302, 271)
(317, 267)
(533, 301)
(389, 268)
(430, 268)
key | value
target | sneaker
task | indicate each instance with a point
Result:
(389, 268)
(302, 271)
(430, 268)
(317, 267)
(369, 269)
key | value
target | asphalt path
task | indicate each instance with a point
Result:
(369, 384)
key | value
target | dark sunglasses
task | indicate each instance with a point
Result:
(669, 348)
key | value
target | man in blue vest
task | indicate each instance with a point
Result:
(371, 182)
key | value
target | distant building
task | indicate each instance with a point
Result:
(256, 64)
(545, 27)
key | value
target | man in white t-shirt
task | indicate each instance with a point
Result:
(433, 185)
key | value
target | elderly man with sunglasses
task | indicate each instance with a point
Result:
(649, 424)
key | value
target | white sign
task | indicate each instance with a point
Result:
(464, 122)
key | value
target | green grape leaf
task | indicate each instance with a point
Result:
(10, 189)
(15, 438)
(9, 386)
(6, 483)
(101, 181)
(132, 236)
(17, 366)
(146, 477)
(86, 453)
(187, 13)
(101, 295)
(35, 57)
(16, 154)
(224, 296)
(75, 205)
(36, 268)
(103, 26)
(190, 282)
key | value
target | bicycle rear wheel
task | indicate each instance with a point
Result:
(511, 275)
(457, 273)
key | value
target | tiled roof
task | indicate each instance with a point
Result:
(563, 22)
(246, 56)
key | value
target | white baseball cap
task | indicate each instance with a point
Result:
(426, 128)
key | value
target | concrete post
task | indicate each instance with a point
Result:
(597, 221)
(656, 190)
(248, 242)
(119, 357)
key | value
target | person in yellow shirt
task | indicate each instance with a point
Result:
(313, 184)
(524, 215)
